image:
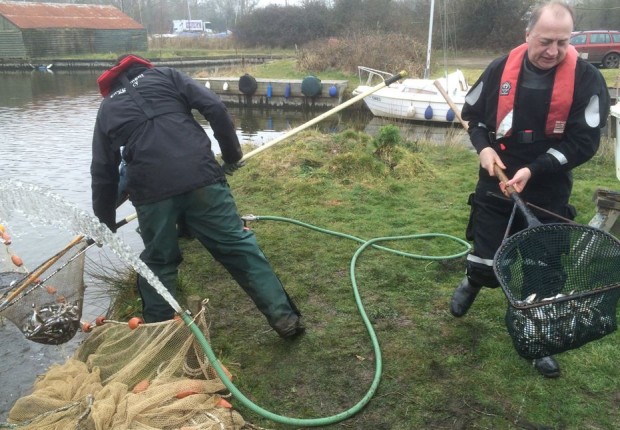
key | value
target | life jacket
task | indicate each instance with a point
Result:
(109, 77)
(561, 95)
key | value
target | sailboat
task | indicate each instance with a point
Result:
(412, 98)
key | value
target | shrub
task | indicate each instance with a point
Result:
(389, 52)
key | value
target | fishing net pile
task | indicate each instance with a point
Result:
(123, 376)
(153, 376)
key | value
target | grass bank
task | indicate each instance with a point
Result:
(286, 68)
(438, 372)
(285, 63)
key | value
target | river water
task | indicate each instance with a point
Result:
(46, 124)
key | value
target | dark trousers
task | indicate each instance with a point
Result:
(489, 220)
(210, 213)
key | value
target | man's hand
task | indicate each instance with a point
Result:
(488, 160)
(519, 180)
(230, 168)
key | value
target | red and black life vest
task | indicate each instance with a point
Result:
(109, 77)
(561, 96)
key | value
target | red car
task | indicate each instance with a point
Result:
(598, 47)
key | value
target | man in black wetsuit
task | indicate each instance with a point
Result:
(537, 113)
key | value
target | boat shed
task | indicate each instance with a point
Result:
(44, 30)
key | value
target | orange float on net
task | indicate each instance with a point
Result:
(213, 374)
(86, 327)
(141, 386)
(51, 290)
(134, 322)
(183, 394)
(17, 260)
(223, 403)
(100, 320)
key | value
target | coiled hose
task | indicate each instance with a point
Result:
(313, 422)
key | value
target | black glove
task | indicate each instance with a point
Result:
(111, 225)
(229, 168)
(109, 219)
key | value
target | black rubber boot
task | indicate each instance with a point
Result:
(290, 327)
(547, 367)
(463, 297)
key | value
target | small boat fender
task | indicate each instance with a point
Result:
(450, 115)
(311, 86)
(247, 84)
(333, 91)
(287, 91)
(269, 90)
(428, 113)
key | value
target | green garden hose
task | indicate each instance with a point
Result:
(314, 422)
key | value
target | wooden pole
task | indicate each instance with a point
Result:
(456, 110)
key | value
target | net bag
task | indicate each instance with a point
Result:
(46, 303)
(562, 282)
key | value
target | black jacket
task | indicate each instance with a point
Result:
(167, 151)
(588, 114)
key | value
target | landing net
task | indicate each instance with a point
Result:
(45, 303)
(563, 285)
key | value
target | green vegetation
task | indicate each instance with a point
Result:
(438, 372)
(333, 58)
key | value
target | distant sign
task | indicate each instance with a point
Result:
(191, 25)
(194, 25)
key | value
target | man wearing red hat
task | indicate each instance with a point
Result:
(172, 174)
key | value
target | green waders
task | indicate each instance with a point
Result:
(211, 215)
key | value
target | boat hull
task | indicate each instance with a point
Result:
(432, 108)
(417, 99)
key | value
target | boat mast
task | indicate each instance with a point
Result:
(427, 69)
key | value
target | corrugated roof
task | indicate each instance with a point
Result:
(63, 15)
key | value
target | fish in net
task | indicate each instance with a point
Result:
(562, 283)
(45, 304)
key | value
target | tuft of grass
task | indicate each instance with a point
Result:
(438, 372)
